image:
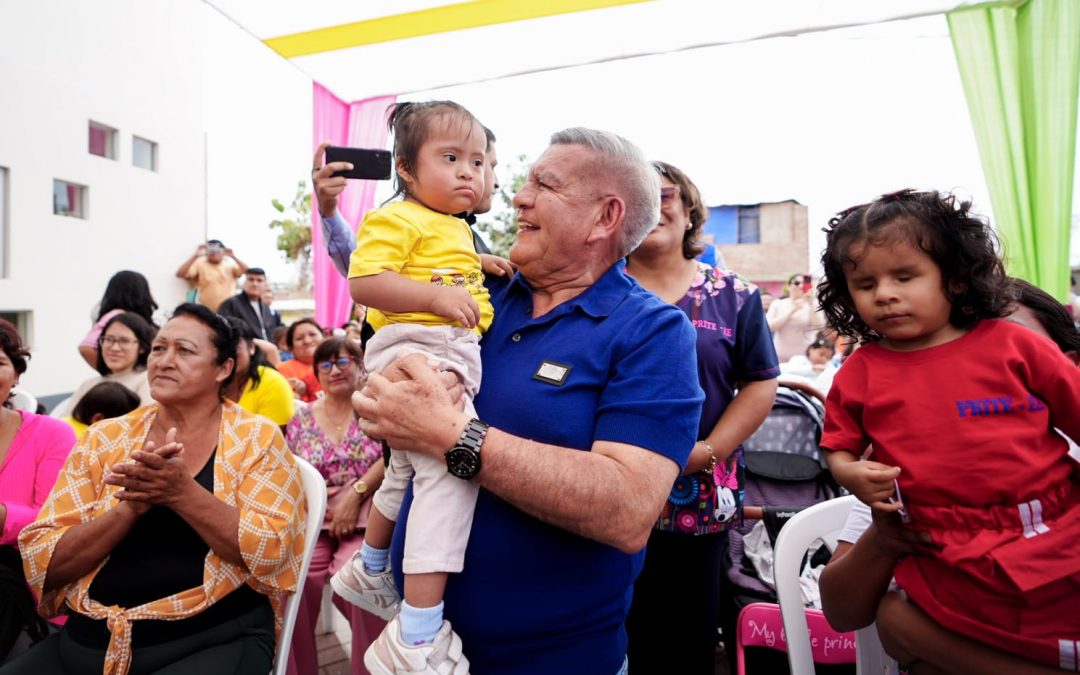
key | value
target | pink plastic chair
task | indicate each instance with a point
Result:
(761, 625)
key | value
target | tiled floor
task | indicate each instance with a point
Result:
(334, 648)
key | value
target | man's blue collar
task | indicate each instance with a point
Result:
(599, 300)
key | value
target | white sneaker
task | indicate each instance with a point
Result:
(388, 655)
(375, 593)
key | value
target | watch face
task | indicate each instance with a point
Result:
(463, 462)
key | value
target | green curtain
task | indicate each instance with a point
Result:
(1020, 65)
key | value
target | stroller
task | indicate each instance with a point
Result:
(785, 472)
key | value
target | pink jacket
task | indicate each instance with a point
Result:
(30, 468)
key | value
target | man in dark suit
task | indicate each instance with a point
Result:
(248, 304)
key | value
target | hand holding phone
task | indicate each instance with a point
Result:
(367, 164)
(807, 283)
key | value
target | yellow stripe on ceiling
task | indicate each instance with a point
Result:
(441, 19)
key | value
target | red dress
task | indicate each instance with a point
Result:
(971, 424)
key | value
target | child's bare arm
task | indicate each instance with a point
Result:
(392, 292)
(873, 483)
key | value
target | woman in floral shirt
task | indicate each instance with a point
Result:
(327, 434)
(673, 618)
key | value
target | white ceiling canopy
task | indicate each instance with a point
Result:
(377, 47)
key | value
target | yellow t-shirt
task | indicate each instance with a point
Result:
(422, 245)
(78, 427)
(273, 398)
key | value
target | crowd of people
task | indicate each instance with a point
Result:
(533, 462)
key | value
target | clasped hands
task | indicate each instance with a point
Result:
(155, 476)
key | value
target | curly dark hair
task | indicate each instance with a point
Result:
(1053, 315)
(959, 242)
(11, 344)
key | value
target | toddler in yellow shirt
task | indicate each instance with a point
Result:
(416, 269)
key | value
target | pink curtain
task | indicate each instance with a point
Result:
(99, 139)
(361, 124)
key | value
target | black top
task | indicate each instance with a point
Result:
(161, 555)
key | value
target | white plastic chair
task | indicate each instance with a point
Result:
(817, 521)
(315, 494)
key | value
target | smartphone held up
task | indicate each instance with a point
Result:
(367, 164)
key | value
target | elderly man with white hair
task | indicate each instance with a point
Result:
(588, 410)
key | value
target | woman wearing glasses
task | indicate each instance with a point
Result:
(122, 349)
(673, 617)
(327, 434)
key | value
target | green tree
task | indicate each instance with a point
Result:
(294, 237)
(499, 226)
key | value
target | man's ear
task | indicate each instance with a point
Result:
(609, 220)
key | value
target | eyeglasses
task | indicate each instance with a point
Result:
(668, 193)
(112, 341)
(342, 363)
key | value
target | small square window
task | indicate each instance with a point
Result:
(69, 199)
(20, 319)
(102, 140)
(144, 153)
(749, 225)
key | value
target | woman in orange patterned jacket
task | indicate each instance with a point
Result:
(173, 531)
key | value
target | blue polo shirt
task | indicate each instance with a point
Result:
(615, 363)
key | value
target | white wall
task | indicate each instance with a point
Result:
(135, 66)
(257, 115)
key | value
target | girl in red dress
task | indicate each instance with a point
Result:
(948, 414)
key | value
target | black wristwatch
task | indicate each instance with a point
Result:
(463, 459)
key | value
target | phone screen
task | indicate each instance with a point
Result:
(367, 164)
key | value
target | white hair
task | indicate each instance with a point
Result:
(626, 167)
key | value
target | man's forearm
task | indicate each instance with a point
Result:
(612, 494)
(339, 241)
